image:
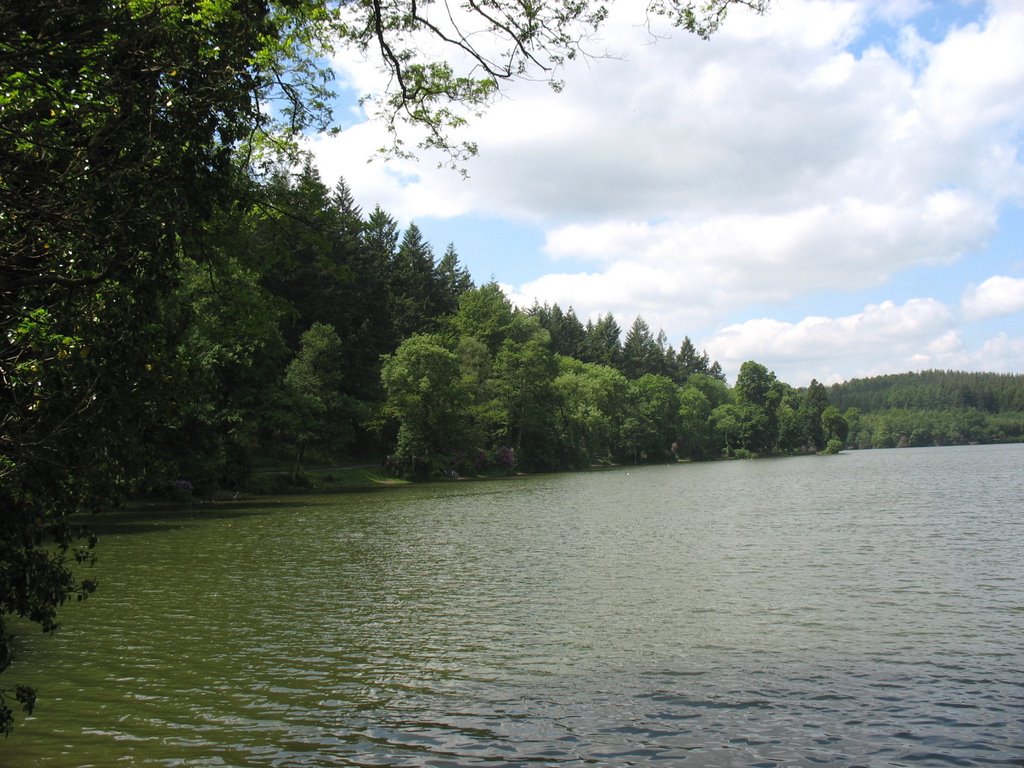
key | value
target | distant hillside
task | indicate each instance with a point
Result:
(932, 390)
(932, 408)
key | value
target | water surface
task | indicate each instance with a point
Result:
(862, 609)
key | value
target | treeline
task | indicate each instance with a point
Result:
(307, 330)
(491, 391)
(281, 326)
(932, 408)
(933, 390)
(310, 331)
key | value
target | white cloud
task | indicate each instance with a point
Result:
(883, 337)
(975, 77)
(1002, 353)
(770, 115)
(999, 295)
(682, 272)
(918, 334)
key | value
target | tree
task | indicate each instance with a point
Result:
(524, 371)
(380, 243)
(572, 336)
(232, 354)
(306, 250)
(485, 313)
(792, 434)
(123, 125)
(322, 416)
(741, 426)
(652, 421)
(689, 361)
(454, 278)
(602, 344)
(484, 409)
(591, 402)
(758, 395)
(834, 426)
(410, 278)
(697, 436)
(640, 352)
(422, 381)
(814, 404)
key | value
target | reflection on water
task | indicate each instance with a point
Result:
(863, 609)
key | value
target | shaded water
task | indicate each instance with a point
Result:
(863, 609)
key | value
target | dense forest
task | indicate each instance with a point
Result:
(312, 332)
(932, 408)
(308, 331)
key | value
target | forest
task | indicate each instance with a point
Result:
(932, 408)
(313, 332)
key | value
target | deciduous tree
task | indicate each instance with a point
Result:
(122, 127)
(425, 394)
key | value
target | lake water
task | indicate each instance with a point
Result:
(862, 609)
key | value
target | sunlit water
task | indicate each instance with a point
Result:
(862, 609)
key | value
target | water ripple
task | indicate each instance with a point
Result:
(864, 611)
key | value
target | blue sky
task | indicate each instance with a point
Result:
(834, 190)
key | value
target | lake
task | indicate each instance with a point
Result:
(860, 609)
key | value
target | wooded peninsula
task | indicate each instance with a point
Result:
(313, 333)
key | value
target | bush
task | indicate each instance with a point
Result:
(835, 445)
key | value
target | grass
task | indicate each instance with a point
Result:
(276, 479)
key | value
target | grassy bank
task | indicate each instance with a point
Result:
(279, 479)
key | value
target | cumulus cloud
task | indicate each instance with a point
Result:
(996, 296)
(883, 337)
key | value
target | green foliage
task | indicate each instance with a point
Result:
(834, 446)
(640, 353)
(811, 409)
(524, 372)
(758, 394)
(181, 295)
(652, 421)
(933, 390)
(123, 124)
(567, 332)
(792, 429)
(486, 314)
(602, 344)
(834, 425)
(591, 403)
(697, 436)
(426, 396)
(932, 408)
(321, 415)
(230, 354)
(689, 362)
